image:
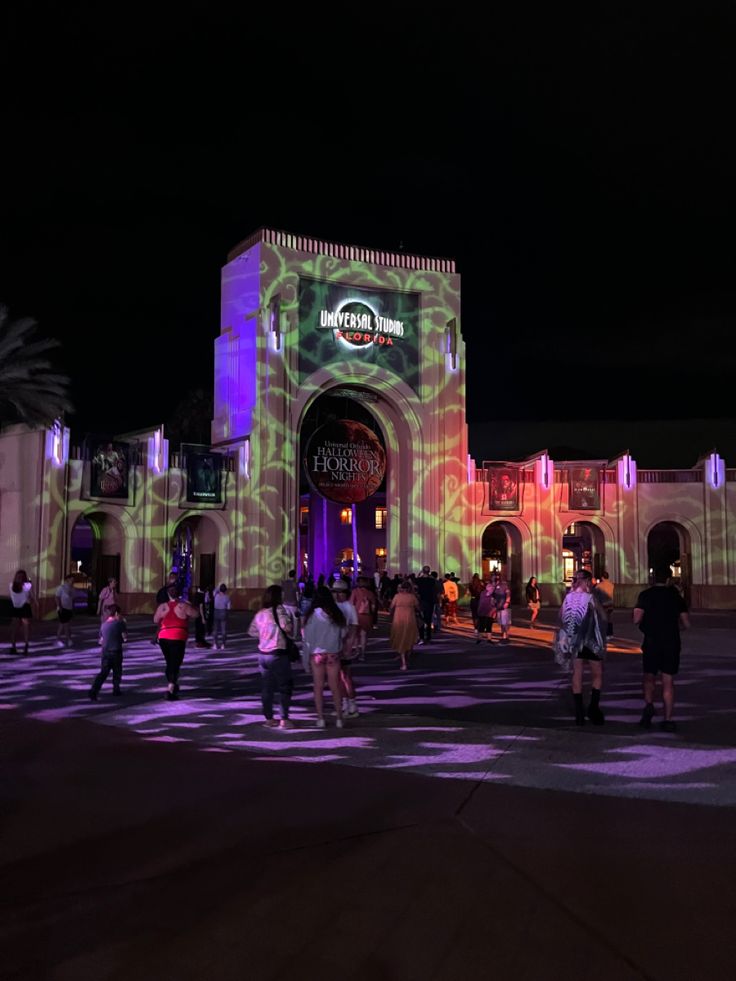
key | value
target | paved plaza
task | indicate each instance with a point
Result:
(462, 826)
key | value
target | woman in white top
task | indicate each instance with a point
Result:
(272, 625)
(222, 604)
(23, 600)
(325, 628)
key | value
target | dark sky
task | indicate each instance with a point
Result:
(580, 171)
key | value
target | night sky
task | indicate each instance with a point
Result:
(580, 172)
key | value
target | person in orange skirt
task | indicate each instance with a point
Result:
(404, 631)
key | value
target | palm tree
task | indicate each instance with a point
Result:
(30, 390)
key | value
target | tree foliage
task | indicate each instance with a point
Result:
(31, 390)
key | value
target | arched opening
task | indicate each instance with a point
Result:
(668, 543)
(95, 547)
(501, 552)
(343, 474)
(583, 547)
(195, 546)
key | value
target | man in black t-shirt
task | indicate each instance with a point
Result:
(661, 614)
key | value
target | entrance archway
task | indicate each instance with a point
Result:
(341, 531)
(501, 551)
(668, 543)
(583, 547)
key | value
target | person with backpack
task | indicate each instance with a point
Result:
(274, 626)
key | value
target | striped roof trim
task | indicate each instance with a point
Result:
(354, 253)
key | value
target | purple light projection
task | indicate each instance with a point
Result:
(443, 721)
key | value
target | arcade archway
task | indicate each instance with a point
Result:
(195, 547)
(668, 543)
(96, 544)
(583, 547)
(501, 551)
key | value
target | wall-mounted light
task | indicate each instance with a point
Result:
(274, 316)
(546, 471)
(626, 467)
(471, 469)
(158, 452)
(716, 469)
(57, 444)
(451, 342)
(245, 459)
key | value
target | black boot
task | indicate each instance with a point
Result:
(579, 710)
(594, 713)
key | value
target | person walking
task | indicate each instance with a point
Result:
(533, 600)
(107, 599)
(341, 591)
(364, 600)
(324, 632)
(23, 603)
(290, 592)
(439, 598)
(486, 614)
(475, 589)
(502, 602)
(173, 618)
(404, 631)
(660, 613)
(209, 610)
(452, 594)
(273, 625)
(113, 634)
(221, 605)
(581, 640)
(162, 596)
(65, 611)
(604, 591)
(200, 624)
(426, 592)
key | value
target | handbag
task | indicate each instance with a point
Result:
(291, 650)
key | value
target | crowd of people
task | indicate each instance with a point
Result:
(326, 625)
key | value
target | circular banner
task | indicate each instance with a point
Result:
(345, 461)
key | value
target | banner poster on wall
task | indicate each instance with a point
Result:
(109, 468)
(374, 327)
(345, 461)
(204, 477)
(503, 486)
(584, 488)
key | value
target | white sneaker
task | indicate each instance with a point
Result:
(60, 643)
(338, 723)
(321, 724)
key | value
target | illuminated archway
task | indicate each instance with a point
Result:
(668, 543)
(106, 543)
(583, 547)
(502, 550)
(198, 549)
(397, 422)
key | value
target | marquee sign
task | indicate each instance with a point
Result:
(337, 321)
(345, 461)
